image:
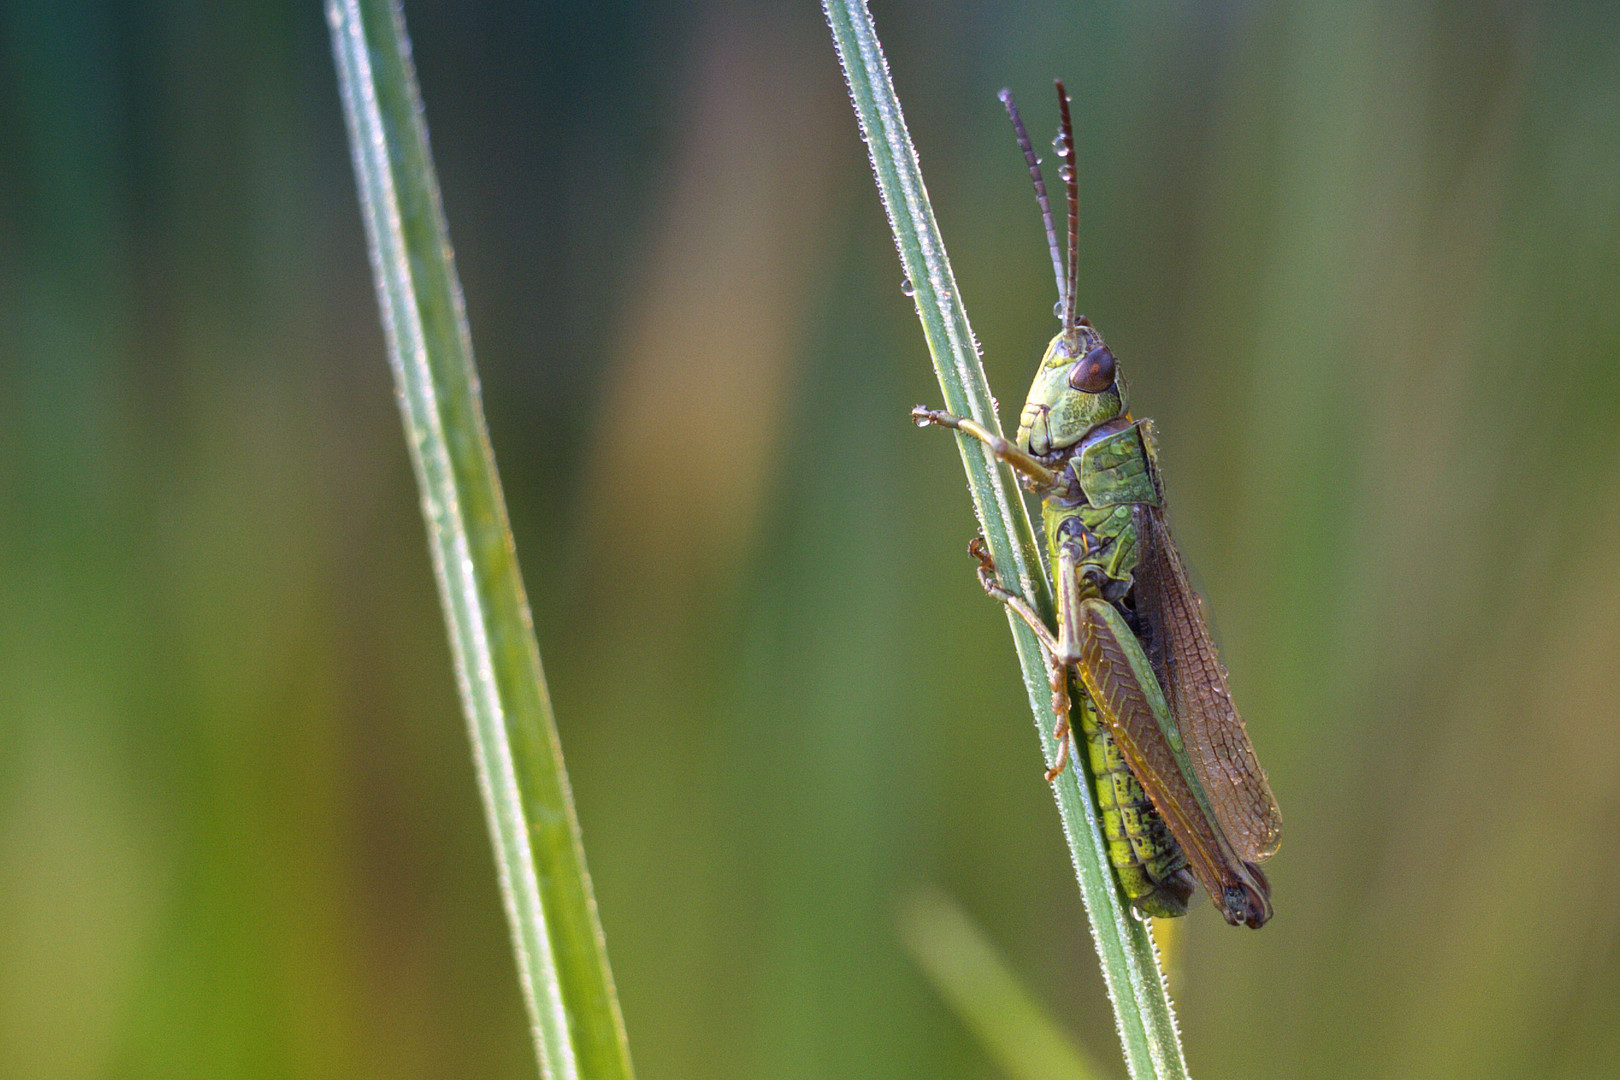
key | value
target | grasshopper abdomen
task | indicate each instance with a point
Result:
(1147, 861)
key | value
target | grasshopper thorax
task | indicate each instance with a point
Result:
(1077, 387)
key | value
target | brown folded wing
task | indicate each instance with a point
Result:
(1127, 710)
(1194, 682)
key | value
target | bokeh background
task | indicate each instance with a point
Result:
(1360, 261)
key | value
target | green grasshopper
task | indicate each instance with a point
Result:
(1182, 796)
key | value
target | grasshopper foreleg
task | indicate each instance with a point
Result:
(1057, 670)
(1025, 465)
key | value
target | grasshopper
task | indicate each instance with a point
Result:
(1182, 796)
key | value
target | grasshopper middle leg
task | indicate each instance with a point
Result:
(1059, 652)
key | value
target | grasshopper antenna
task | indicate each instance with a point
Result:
(1040, 191)
(1071, 184)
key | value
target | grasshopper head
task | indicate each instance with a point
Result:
(1077, 387)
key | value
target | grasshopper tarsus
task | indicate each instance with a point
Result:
(923, 417)
(987, 569)
(1060, 732)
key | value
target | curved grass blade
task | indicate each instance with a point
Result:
(1146, 1021)
(1014, 1028)
(557, 938)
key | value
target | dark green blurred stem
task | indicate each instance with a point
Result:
(561, 955)
(1130, 966)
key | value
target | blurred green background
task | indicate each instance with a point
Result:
(1360, 261)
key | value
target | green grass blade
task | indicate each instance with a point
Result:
(561, 955)
(1147, 1025)
(1014, 1029)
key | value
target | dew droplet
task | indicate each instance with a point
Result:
(907, 287)
(1057, 309)
(1066, 174)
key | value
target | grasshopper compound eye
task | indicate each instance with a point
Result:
(1095, 371)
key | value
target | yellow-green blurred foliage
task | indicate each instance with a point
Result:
(1361, 261)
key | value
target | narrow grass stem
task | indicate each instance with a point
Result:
(556, 936)
(1146, 1021)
